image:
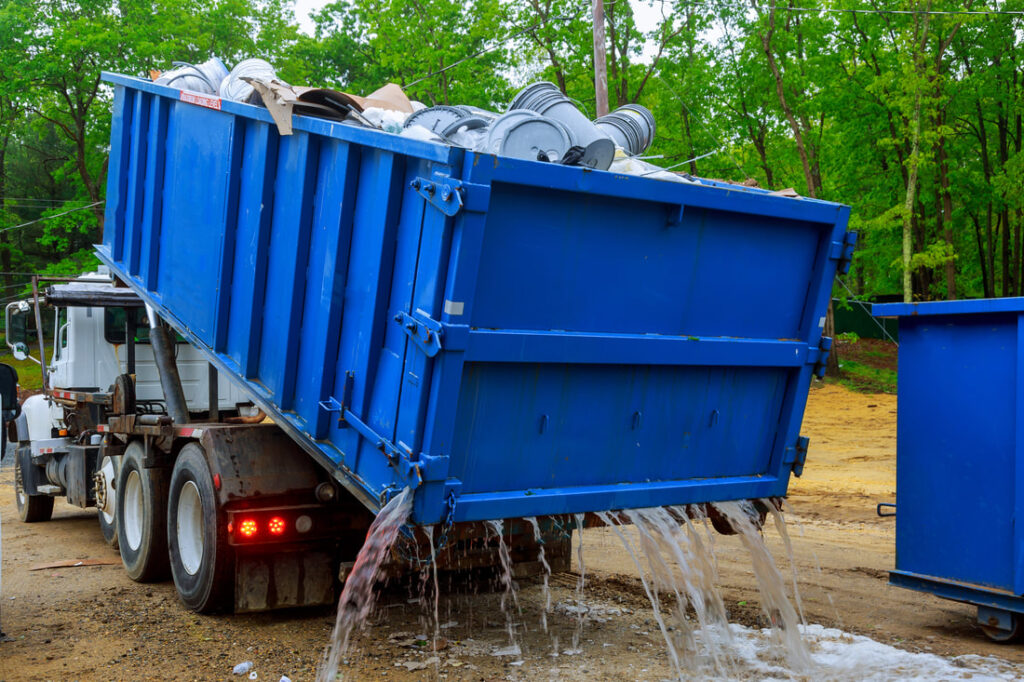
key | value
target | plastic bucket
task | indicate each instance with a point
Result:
(546, 99)
(644, 118)
(631, 125)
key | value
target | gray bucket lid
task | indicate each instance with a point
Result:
(436, 118)
(599, 154)
(467, 122)
(533, 137)
(498, 129)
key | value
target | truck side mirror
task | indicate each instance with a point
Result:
(9, 391)
(19, 351)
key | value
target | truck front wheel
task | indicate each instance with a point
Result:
(141, 512)
(201, 559)
(31, 508)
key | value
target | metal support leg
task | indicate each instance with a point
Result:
(162, 340)
(129, 333)
(214, 394)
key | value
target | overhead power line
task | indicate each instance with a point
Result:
(837, 10)
(491, 48)
(49, 217)
(44, 200)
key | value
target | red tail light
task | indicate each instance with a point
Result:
(276, 526)
(248, 528)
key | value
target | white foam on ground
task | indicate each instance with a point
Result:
(842, 657)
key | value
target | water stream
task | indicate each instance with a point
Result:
(358, 595)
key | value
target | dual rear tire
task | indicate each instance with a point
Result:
(168, 523)
(142, 516)
(202, 563)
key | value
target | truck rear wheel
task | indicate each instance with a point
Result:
(141, 514)
(31, 508)
(202, 562)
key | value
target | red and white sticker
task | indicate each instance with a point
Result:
(201, 100)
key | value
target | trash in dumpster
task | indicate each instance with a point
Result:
(546, 99)
(541, 123)
(631, 126)
(237, 84)
(205, 78)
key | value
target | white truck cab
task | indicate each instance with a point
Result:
(88, 350)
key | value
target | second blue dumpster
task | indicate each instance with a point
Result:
(960, 456)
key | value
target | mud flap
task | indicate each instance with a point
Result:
(283, 580)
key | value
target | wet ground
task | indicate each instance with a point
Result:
(93, 623)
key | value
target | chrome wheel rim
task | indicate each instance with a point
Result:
(132, 513)
(109, 500)
(190, 528)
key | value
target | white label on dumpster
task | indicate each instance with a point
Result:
(201, 100)
(821, 322)
(453, 307)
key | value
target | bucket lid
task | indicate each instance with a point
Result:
(501, 126)
(599, 154)
(534, 137)
(467, 122)
(436, 118)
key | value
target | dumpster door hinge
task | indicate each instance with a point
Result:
(796, 455)
(424, 331)
(843, 252)
(818, 356)
(451, 195)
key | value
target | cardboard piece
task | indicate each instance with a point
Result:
(282, 101)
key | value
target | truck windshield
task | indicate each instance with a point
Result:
(115, 325)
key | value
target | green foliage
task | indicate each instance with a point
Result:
(843, 106)
(867, 379)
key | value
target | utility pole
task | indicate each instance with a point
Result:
(600, 65)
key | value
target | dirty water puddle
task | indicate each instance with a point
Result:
(673, 552)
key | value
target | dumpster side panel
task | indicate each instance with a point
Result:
(957, 448)
(567, 265)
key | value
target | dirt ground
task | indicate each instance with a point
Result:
(93, 623)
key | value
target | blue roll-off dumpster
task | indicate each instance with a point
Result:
(510, 338)
(960, 455)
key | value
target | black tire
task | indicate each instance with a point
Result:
(202, 561)
(31, 508)
(107, 474)
(141, 515)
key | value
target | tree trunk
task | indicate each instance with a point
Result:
(946, 215)
(914, 161)
(5, 242)
(982, 259)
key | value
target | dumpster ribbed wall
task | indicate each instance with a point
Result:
(509, 337)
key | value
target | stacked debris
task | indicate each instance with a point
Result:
(541, 123)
